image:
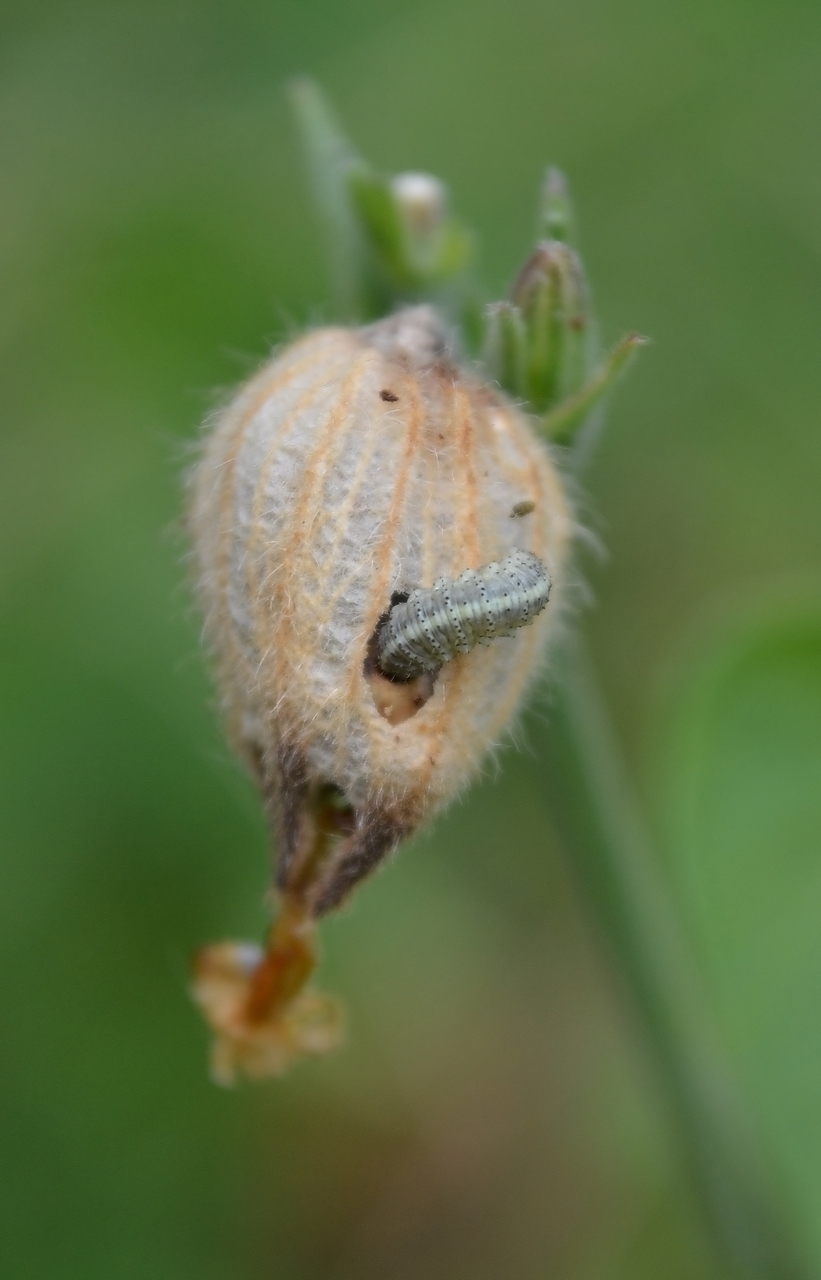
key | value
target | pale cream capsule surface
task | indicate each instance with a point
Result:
(357, 464)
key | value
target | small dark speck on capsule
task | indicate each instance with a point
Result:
(385, 394)
(522, 509)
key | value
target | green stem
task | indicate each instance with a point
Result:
(597, 820)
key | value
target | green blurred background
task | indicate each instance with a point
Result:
(494, 1112)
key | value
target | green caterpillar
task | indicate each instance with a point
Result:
(431, 626)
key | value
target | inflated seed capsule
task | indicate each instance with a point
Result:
(431, 627)
(358, 467)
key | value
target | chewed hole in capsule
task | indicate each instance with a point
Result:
(397, 698)
(424, 629)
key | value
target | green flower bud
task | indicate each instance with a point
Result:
(552, 295)
(504, 346)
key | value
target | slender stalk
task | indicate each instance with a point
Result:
(595, 815)
(562, 423)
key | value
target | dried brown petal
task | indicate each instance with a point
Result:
(307, 1023)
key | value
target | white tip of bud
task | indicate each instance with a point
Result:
(423, 200)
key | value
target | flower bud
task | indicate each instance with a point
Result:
(552, 296)
(357, 467)
(415, 244)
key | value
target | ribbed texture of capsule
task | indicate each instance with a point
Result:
(357, 464)
(431, 627)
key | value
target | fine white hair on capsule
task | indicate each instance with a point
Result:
(432, 625)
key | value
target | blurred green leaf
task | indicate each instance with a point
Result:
(745, 790)
(330, 159)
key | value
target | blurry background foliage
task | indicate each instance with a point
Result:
(493, 1113)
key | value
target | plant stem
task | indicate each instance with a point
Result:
(595, 815)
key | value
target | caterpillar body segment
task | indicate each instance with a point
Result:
(435, 624)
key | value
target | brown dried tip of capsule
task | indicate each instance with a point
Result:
(355, 467)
